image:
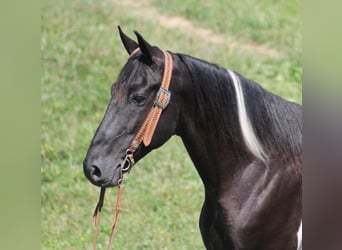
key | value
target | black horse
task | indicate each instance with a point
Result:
(245, 142)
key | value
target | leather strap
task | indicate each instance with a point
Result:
(116, 215)
(97, 215)
(161, 101)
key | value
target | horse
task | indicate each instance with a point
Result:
(245, 142)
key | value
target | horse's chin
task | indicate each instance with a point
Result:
(111, 179)
(115, 179)
(112, 183)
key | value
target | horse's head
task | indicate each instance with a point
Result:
(132, 98)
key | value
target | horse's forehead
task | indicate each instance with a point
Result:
(133, 75)
(137, 71)
(133, 70)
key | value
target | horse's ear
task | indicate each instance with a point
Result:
(147, 49)
(130, 44)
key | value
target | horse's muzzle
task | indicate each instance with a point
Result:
(102, 177)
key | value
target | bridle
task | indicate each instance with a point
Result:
(161, 101)
(144, 135)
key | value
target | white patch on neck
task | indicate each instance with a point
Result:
(299, 237)
(248, 134)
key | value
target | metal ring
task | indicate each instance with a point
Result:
(124, 162)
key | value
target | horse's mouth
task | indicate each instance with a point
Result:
(115, 179)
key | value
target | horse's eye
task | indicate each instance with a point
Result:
(139, 99)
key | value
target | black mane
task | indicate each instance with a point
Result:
(276, 122)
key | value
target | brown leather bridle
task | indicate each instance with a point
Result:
(144, 135)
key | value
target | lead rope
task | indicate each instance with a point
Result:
(97, 215)
(116, 215)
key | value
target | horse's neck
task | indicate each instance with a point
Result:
(208, 155)
(207, 151)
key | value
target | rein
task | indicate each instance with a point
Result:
(144, 135)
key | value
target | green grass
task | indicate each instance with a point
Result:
(82, 55)
(270, 22)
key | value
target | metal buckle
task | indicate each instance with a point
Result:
(167, 101)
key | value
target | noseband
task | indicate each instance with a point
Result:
(144, 135)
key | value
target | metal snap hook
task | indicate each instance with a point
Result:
(120, 181)
(125, 165)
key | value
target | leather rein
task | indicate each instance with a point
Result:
(144, 135)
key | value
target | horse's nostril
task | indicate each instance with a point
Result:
(96, 172)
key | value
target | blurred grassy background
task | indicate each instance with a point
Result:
(81, 57)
